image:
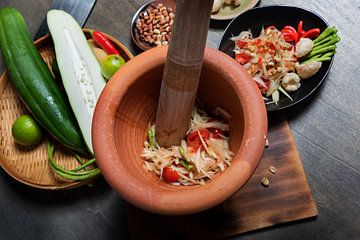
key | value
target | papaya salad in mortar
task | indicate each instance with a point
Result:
(278, 60)
(202, 154)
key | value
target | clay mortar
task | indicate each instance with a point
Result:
(128, 105)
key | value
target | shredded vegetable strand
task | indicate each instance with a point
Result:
(195, 161)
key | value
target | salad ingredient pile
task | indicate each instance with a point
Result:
(278, 59)
(204, 153)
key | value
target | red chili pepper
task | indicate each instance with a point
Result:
(312, 33)
(300, 29)
(242, 58)
(240, 43)
(260, 61)
(258, 42)
(263, 89)
(104, 42)
(193, 139)
(271, 46)
(170, 175)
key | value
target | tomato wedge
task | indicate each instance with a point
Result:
(300, 29)
(170, 175)
(193, 139)
(312, 33)
(289, 36)
(242, 58)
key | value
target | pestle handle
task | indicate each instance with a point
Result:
(182, 70)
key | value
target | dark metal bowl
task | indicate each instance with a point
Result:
(134, 34)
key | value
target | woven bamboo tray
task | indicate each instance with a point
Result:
(29, 164)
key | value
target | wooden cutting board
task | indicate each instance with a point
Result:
(287, 198)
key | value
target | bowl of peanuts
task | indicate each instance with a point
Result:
(152, 24)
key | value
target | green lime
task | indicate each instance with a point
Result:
(111, 64)
(26, 131)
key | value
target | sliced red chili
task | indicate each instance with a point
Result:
(300, 30)
(242, 58)
(240, 43)
(170, 175)
(312, 33)
(257, 42)
(260, 61)
(271, 46)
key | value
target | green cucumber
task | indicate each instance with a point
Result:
(34, 82)
(79, 68)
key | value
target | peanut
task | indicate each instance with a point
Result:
(154, 25)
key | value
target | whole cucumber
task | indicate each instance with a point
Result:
(34, 83)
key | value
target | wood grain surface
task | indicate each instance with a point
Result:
(326, 130)
(287, 198)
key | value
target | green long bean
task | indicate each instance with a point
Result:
(71, 174)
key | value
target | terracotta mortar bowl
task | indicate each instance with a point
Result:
(128, 105)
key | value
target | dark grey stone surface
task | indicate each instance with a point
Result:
(326, 130)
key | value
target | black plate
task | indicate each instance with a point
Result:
(279, 16)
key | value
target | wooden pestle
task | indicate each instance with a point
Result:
(182, 70)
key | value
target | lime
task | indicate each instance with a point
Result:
(26, 131)
(111, 64)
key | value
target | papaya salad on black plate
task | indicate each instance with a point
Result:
(278, 59)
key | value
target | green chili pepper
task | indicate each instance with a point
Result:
(186, 164)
